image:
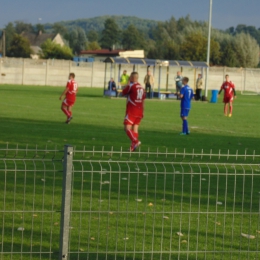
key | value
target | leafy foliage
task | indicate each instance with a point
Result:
(242, 28)
(98, 23)
(23, 27)
(40, 27)
(77, 40)
(110, 34)
(172, 39)
(9, 35)
(52, 50)
(92, 46)
(92, 36)
(19, 47)
(132, 39)
(247, 50)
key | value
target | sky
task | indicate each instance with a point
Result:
(226, 13)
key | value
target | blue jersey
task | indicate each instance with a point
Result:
(187, 93)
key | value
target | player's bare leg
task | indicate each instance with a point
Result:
(70, 115)
(132, 133)
(230, 109)
(65, 110)
(226, 109)
(137, 142)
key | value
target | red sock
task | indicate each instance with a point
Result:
(66, 112)
(136, 136)
(230, 109)
(131, 135)
(70, 112)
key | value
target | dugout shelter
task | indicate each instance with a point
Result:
(116, 63)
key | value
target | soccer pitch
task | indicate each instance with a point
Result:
(32, 116)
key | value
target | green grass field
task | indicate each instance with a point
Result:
(31, 116)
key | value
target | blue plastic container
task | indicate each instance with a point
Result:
(214, 97)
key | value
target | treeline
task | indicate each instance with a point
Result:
(181, 39)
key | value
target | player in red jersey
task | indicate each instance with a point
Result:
(134, 109)
(70, 93)
(229, 95)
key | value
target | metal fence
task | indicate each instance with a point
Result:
(100, 204)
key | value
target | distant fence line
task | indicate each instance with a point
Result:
(55, 72)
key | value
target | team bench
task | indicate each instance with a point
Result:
(164, 94)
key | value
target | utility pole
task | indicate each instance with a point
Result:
(208, 52)
(3, 43)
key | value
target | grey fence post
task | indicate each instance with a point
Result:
(65, 203)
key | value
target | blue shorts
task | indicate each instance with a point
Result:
(184, 112)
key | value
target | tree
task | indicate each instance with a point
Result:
(229, 56)
(247, 50)
(52, 50)
(110, 35)
(194, 48)
(59, 28)
(23, 27)
(132, 39)
(77, 40)
(19, 47)
(9, 35)
(93, 46)
(40, 27)
(92, 36)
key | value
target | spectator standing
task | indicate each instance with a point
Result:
(124, 80)
(149, 81)
(178, 81)
(199, 86)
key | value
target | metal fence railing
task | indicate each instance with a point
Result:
(100, 204)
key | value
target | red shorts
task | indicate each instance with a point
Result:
(228, 100)
(68, 102)
(132, 120)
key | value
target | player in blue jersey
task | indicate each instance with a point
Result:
(186, 95)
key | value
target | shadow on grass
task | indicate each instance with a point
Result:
(39, 132)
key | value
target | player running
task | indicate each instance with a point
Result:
(70, 93)
(134, 109)
(186, 95)
(229, 95)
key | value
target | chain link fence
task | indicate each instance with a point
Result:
(100, 204)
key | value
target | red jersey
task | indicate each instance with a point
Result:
(229, 89)
(135, 100)
(73, 88)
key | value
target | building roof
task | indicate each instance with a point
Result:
(150, 62)
(38, 39)
(103, 52)
(36, 49)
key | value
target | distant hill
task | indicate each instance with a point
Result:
(97, 23)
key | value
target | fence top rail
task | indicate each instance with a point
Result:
(166, 153)
(122, 154)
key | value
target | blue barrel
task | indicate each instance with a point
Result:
(214, 97)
